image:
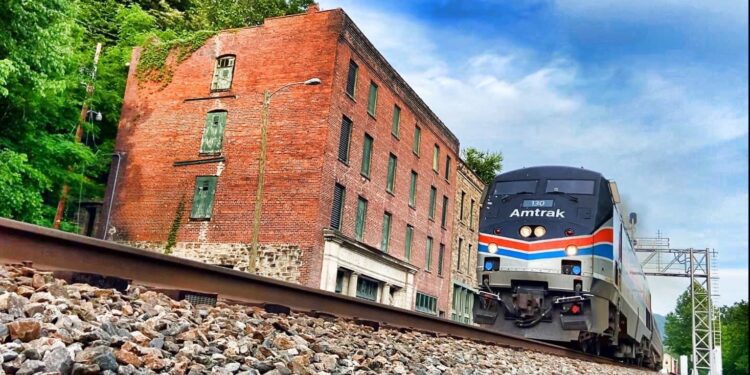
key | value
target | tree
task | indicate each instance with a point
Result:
(679, 327)
(734, 348)
(485, 164)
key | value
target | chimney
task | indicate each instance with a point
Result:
(313, 8)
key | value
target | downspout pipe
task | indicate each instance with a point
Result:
(112, 195)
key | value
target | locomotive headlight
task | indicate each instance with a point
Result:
(492, 248)
(540, 231)
(571, 250)
(525, 231)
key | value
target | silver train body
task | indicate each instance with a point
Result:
(556, 263)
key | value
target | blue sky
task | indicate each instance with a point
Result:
(652, 94)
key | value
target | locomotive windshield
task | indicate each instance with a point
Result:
(515, 187)
(570, 186)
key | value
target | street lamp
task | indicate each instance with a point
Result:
(267, 95)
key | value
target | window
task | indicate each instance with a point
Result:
(444, 214)
(460, 249)
(213, 132)
(390, 181)
(468, 259)
(367, 289)
(337, 211)
(384, 242)
(417, 140)
(345, 139)
(463, 303)
(351, 79)
(366, 156)
(223, 73)
(203, 198)
(396, 120)
(428, 254)
(359, 225)
(441, 259)
(447, 167)
(372, 99)
(471, 215)
(407, 241)
(570, 186)
(431, 210)
(436, 158)
(340, 275)
(413, 189)
(515, 187)
(426, 304)
(461, 209)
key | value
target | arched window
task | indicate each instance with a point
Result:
(213, 133)
(223, 73)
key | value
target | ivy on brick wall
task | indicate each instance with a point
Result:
(153, 63)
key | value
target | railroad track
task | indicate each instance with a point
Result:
(53, 250)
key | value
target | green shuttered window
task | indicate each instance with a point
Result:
(344, 139)
(407, 241)
(213, 132)
(367, 289)
(463, 303)
(396, 120)
(428, 254)
(359, 225)
(444, 214)
(372, 99)
(441, 259)
(436, 158)
(447, 167)
(385, 241)
(431, 210)
(417, 140)
(413, 189)
(366, 156)
(351, 79)
(223, 73)
(426, 304)
(337, 211)
(203, 198)
(390, 182)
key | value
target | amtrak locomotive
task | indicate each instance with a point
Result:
(556, 263)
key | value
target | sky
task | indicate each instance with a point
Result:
(652, 94)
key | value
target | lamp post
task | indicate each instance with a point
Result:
(267, 95)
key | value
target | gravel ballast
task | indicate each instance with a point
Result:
(49, 326)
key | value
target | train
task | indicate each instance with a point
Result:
(556, 263)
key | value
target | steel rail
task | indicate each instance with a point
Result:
(55, 250)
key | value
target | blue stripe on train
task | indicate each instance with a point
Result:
(602, 250)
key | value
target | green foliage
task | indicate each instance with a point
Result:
(679, 327)
(734, 331)
(46, 49)
(172, 238)
(485, 164)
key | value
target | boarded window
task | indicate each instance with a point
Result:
(441, 259)
(417, 140)
(444, 214)
(367, 289)
(213, 132)
(391, 179)
(345, 139)
(203, 198)
(436, 158)
(396, 120)
(447, 167)
(372, 99)
(359, 225)
(428, 254)
(337, 211)
(433, 196)
(385, 241)
(413, 189)
(426, 304)
(223, 73)
(468, 259)
(351, 78)
(408, 241)
(461, 209)
(463, 303)
(460, 249)
(471, 215)
(366, 156)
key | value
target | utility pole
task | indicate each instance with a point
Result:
(78, 136)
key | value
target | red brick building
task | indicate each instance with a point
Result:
(359, 176)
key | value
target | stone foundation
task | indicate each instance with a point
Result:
(281, 262)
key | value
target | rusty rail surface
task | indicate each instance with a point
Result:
(50, 249)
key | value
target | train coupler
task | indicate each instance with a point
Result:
(487, 307)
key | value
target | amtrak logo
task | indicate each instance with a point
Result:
(538, 213)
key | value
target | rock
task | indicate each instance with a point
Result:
(41, 297)
(85, 369)
(58, 359)
(101, 356)
(232, 367)
(153, 362)
(263, 367)
(31, 366)
(299, 364)
(283, 342)
(128, 358)
(25, 329)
